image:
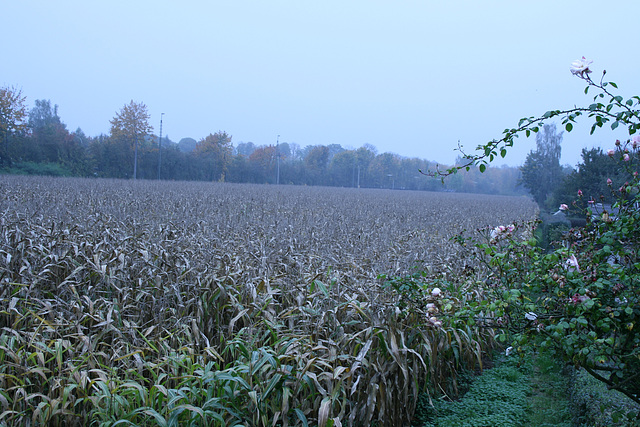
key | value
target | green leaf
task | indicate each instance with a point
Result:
(569, 127)
(271, 386)
(586, 90)
(613, 84)
(322, 287)
(482, 168)
(301, 417)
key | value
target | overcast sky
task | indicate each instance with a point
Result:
(409, 77)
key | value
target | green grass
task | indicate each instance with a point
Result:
(596, 405)
(498, 397)
(517, 392)
(548, 402)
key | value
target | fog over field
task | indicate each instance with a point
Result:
(412, 77)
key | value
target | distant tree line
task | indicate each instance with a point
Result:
(36, 141)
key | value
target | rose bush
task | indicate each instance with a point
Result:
(582, 301)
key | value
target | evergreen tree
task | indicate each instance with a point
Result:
(541, 172)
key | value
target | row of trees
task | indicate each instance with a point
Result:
(37, 141)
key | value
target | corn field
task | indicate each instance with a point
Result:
(211, 304)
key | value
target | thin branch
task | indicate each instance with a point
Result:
(611, 384)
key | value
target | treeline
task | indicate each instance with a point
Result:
(44, 146)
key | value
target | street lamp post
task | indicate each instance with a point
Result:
(278, 160)
(160, 146)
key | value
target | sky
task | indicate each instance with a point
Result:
(415, 78)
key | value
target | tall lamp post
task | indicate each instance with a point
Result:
(278, 160)
(160, 146)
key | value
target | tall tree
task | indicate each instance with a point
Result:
(187, 145)
(342, 169)
(131, 125)
(217, 151)
(384, 170)
(316, 162)
(541, 172)
(263, 162)
(49, 135)
(364, 157)
(13, 114)
(245, 148)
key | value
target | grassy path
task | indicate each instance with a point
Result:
(514, 393)
(549, 403)
(532, 392)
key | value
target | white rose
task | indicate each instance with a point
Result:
(580, 67)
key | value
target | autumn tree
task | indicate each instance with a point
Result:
(216, 151)
(13, 113)
(263, 162)
(131, 126)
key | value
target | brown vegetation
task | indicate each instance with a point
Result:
(222, 304)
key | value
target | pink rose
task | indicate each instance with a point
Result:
(611, 152)
(579, 193)
(563, 207)
(577, 298)
(609, 182)
(635, 141)
(625, 157)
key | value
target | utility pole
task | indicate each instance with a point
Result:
(160, 146)
(278, 160)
